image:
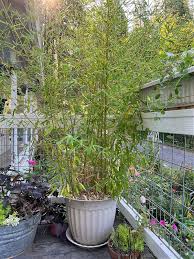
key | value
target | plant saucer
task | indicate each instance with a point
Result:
(69, 237)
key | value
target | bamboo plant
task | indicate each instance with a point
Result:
(91, 128)
(85, 66)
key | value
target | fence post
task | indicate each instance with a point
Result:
(14, 137)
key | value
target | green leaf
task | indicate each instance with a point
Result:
(157, 96)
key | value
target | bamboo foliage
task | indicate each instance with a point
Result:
(93, 149)
(86, 72)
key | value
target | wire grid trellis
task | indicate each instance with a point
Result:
(17, 148)
(165, 190)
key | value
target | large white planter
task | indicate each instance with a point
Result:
(90, 222)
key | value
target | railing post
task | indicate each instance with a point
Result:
(25, 133)
(14, 137)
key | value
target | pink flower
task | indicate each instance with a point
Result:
(134, 171)
(162, 223)
(174, 227)
(153, 222)
(137, 174)
(32, 162)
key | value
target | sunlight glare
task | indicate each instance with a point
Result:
(50, 4)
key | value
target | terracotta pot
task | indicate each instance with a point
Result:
(57, 229)
(116, 255)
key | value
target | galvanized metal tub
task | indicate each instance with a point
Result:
(91, 222)
(14, 240)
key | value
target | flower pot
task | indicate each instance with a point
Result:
(91, 221)
(117, 255)
(14, 240)
(58, 229)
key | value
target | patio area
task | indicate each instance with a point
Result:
(48, 247)
(97, 120)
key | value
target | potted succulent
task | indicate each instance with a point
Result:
(126, 243)
(21, 205)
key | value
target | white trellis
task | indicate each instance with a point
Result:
(19, 150)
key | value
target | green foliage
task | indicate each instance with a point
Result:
(126, 240)
(176, 33)
(177, 7)
(4, 213)
(86, 72)
(121, 238)
(94, 87)
(137, 240)
(171, 29)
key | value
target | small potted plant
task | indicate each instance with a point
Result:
(126, 243)
(21, 204)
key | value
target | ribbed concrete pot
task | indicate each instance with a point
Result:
(15, 240)
(91, 222)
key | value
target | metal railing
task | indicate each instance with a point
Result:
(165, 190)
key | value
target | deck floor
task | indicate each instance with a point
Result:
(49, 247)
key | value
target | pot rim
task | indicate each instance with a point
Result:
(117, 252)
(38, 214)
(74, 199)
